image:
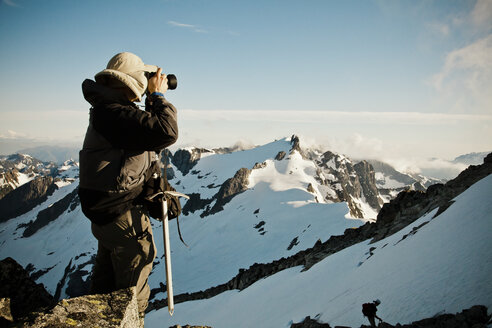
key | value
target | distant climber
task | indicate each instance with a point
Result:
(369, 310)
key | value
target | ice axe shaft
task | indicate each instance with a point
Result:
(167, 254)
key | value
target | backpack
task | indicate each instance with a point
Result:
(369, 309)
(155, 184)
(154, 188)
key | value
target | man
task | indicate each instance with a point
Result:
(369, 310)
(119, 149)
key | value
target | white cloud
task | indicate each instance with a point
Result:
(466, 77)
(191, 27)
(10, 3)
(356, 134)
(12, 135)
(481, 16)
(357, 146)
(173, 23)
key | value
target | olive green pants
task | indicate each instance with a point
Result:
(125, 254)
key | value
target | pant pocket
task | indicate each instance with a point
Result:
(146, 246)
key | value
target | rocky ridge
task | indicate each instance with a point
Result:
(348, 182)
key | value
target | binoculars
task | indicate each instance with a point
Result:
(172, 80)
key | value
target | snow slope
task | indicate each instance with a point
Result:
(445, 266)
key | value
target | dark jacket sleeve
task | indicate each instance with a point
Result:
(128, 127)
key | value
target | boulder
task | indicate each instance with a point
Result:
(118, 309)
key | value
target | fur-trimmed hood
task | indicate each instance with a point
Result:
(126, 69)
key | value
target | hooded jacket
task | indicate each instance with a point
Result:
(120, 145)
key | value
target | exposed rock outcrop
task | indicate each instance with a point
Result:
(280, 156)
(184, 159)
(8, 178)
(229, 189)
(349, 182)
(116, 309)
(261, 165)
(367, 182)
(195, 203)
(26, 197)
(296, 146)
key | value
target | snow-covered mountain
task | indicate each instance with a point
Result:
(280, 205)
(17, 169)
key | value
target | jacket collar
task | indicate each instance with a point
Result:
(97, 94)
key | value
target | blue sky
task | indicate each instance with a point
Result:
(367, 78)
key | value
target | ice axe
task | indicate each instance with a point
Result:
(167, 245)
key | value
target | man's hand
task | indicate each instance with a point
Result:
(158, 82)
